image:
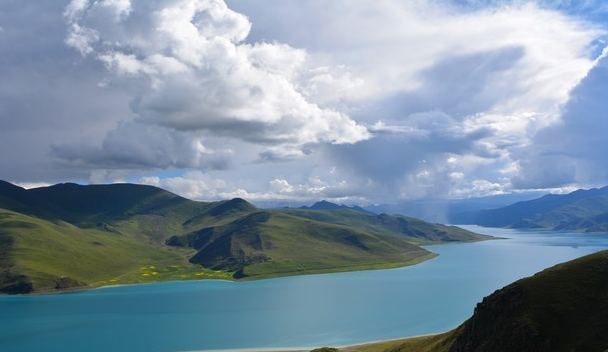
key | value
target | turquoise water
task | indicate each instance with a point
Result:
(304, 311)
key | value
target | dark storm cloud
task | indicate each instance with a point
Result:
(45, 96)
(459, 86)
(414, 152)
(574, 150)
(141, 146)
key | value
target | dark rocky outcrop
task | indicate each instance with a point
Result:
(13, 284)
(496, 327)
(64, 282)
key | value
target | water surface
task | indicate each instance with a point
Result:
(314, 310)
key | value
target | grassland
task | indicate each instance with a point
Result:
(430, 343)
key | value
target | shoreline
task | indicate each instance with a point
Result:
(366, 267)
(91, 288)
(350, 347)
(362, 267)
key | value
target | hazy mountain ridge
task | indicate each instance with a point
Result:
(73, 235)
(325, 205)
(445, 210)
(584, 210)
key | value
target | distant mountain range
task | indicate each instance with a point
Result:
(445, 210)
(431, 210)
(581, 210)
(69, 235)
(325, 205)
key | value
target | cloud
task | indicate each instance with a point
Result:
(187, 68)
(44, 97)
(573, 150)
(192, 185)
(28, 185)
(203, 186)
(442, 80)
(396, 46)
(141, 146)
(411, 158)
(367, 100)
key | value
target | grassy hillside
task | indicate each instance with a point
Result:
(39, 255)
(270, 243)
(414, 230)
(70, 235)
(89, 205)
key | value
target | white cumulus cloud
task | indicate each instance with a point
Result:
(188, 69)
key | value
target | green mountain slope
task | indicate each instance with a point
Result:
(21, 200)
(580, 210)
(414, 230)
(70, 235)
(597, 223)
(88, 205)
(561, 309)
(265, 243)
(38, 255)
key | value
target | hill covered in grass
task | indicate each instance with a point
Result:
(414, 230)
(69, 235)
(583, 210)
(270, 243)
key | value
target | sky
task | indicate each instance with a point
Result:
(357, 102)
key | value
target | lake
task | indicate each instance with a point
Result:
(303, 311)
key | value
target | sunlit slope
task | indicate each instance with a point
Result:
(412, 229)
(39, 255)
(267, 243)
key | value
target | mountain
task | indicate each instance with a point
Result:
(412, 229)
(325, 205)
(69, 235)
(560, 309)
(20, 200)
(265, 243)
(585, 210)
(448, 210)
(281, 241)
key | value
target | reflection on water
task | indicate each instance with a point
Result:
(315, 310)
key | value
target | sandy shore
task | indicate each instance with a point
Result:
(307, 349)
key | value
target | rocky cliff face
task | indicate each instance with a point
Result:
(497, 326)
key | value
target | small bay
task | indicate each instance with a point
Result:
(303, 311)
